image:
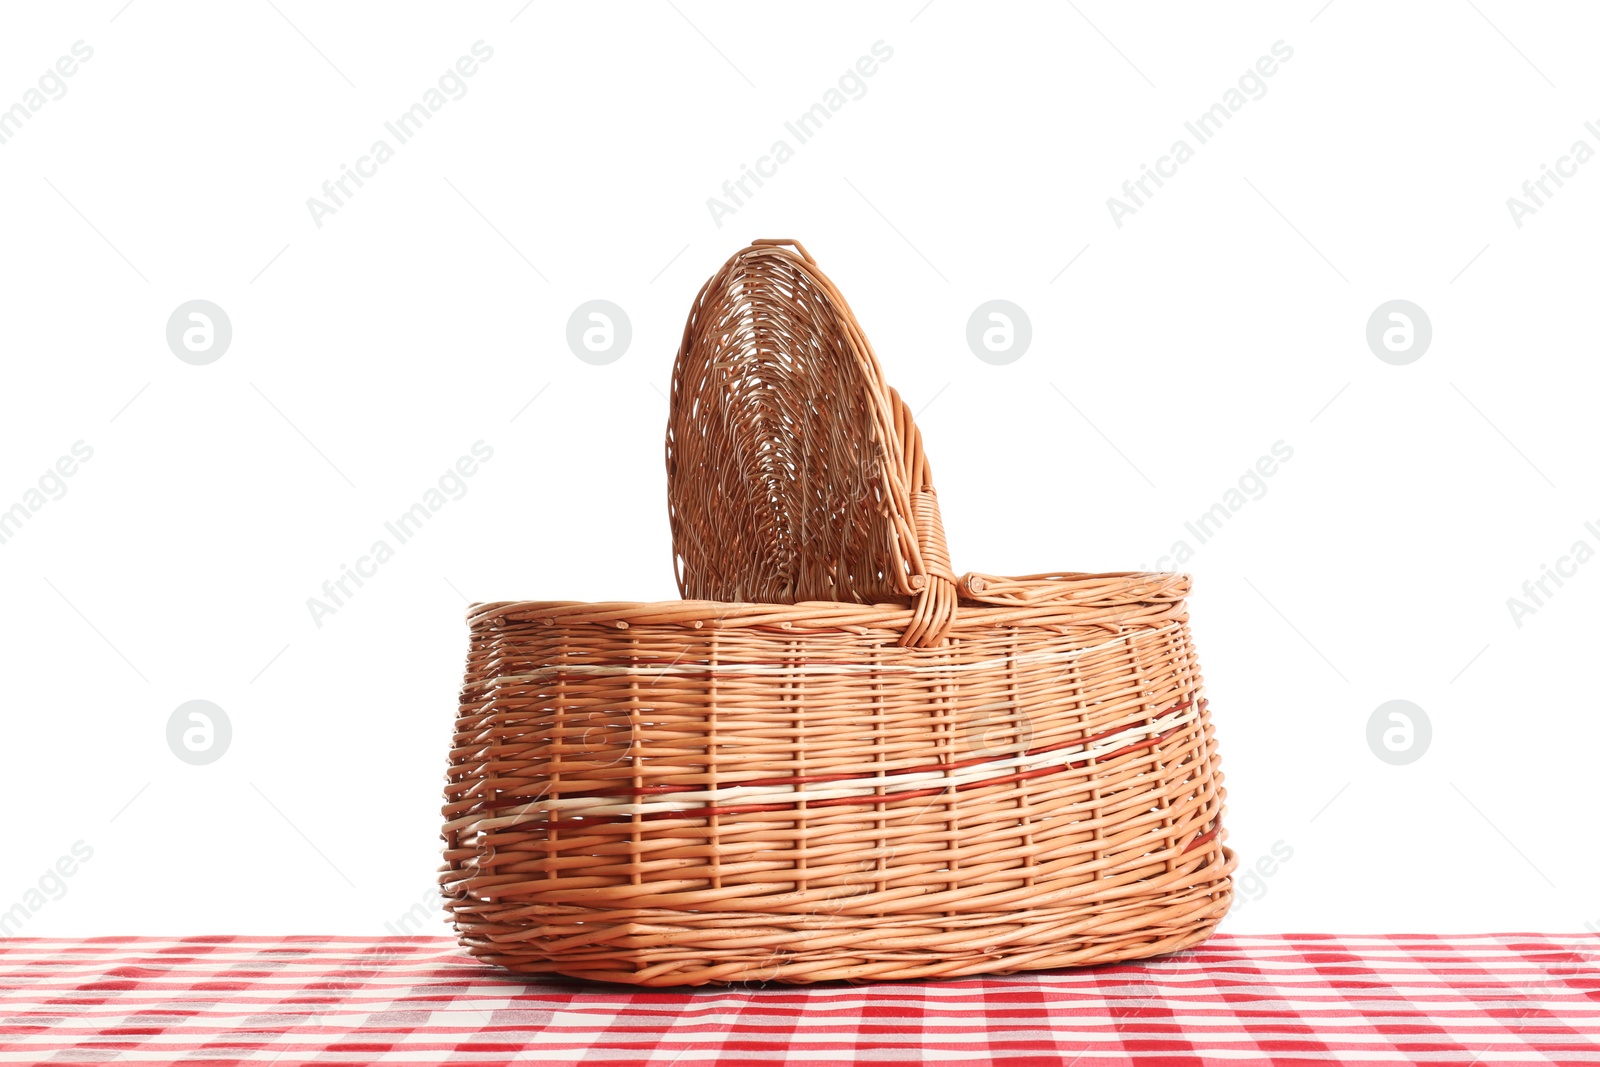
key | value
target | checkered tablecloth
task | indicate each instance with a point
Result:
(1305, 998)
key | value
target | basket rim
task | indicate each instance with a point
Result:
(1091, 600)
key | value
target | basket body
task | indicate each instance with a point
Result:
(723, 793)
(882, 770)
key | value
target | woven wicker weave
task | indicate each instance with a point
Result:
(839, 760)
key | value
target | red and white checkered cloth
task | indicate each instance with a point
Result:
(1303, 998)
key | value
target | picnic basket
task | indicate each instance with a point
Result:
(835, 758)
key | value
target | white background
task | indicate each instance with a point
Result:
(1227, 314)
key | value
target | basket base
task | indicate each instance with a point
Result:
(665, 950)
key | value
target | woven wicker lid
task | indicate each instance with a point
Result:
(794, 471)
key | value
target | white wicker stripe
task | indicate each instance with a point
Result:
(865, 787)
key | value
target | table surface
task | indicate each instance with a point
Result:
(1295, 998)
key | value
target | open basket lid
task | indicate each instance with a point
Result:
(795, 473)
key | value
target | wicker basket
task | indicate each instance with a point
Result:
(839, 760)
